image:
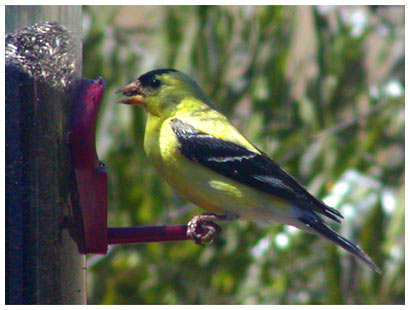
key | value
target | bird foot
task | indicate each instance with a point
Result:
(202, 230)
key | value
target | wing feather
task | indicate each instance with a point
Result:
(245, 166)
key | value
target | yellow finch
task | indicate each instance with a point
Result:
(209, 162)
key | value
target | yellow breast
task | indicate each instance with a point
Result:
(200, 185)
(186, 178)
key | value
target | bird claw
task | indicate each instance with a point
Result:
(202, 230)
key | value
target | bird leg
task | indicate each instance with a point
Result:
(202, 230)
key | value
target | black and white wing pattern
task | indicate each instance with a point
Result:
(246, 167)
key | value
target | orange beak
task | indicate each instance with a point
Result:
(134, 91)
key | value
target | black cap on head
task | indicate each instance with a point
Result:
(149, 79)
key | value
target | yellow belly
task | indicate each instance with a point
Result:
(202, 186)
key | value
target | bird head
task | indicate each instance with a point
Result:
(162, 91)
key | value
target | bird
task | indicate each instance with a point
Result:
(207, 161)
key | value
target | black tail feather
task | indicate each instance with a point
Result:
(319, 226)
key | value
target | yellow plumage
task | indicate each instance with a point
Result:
(205, 188)
(209, 162)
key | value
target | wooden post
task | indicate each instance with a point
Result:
(43, 61)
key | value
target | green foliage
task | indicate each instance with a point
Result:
(319, 89)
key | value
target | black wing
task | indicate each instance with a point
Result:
(244, 166)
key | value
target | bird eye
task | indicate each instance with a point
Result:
(155, 83)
